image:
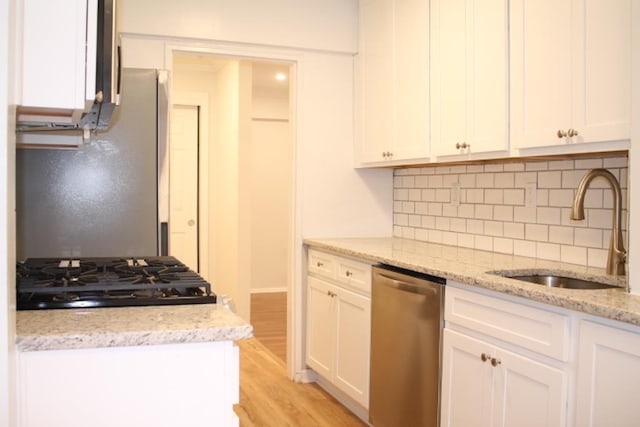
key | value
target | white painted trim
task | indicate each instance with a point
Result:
(633, 224)
(295, 294)
(268, 290)
(200, 100)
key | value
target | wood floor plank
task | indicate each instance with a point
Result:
(269, 320)
(268, 398)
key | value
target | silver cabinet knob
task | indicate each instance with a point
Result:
(348, 273)
(484, 357)
(191, 223)
(572, 132)
(495, 362)
(561, 133)
(387, 154)
(319, 264)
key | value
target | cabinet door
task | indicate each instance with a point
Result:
(608, 376)
(541, 72)
(469, 76)
(54, 53)
(374, 101)
(466, 381)
(528, 393)
(411, 80)
(602, 84)
(353, 327)
(321, 326)
(570, 69)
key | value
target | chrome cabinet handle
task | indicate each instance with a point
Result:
(387, 154)
(572, 133)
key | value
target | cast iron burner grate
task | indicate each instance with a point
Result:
(103, 282)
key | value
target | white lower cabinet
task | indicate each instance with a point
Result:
(488, 380)
(485, 385)
(608, 376)
(338, 337)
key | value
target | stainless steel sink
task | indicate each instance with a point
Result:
(555, 281)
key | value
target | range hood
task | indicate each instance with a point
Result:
(101, 84)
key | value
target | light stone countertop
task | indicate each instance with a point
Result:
(127, 326)
(472, 267)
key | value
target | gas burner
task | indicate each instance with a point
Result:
(103, 282)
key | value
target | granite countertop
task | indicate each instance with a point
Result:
(127, 326)
(473, 267)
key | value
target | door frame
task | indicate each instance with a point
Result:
(201, 101)
(296, 367)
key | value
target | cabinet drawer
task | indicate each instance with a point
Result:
(529, 327)
(354, 274)
(321, 263)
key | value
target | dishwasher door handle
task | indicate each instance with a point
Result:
(408, 287)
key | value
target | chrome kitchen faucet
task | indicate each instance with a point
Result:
(617, 254)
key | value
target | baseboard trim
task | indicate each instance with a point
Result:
(268, 290)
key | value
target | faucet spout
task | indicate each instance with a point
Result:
(617, 253)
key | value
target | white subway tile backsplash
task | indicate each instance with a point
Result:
(484, 243)
(484, 212)
(549, 251)
(546, 215)
(494, 228)
(599, 218)
(562, 235)
(435, 181)
(550, 179)
(494, 197)
(522, 214)
(484, 180)
(588, 163)
(492, 214)
(514, 167)
(536, 232)
(514, 197)
(514, 230)
(429, 195)
(573, 254)
(504, 246)
(597, 257)
(466, 240)
(422, 181)
(590, 237)
(524, 248)
(503, 213)
(561, 198)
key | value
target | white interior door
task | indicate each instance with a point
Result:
(183, 185)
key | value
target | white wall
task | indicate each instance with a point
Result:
(7, 216)
(272, 176)
(310, 24)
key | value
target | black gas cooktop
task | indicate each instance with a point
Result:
(50, 283)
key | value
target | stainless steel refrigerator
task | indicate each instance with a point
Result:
(107, 197)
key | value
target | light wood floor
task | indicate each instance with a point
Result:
(267, 397)
(269, 320)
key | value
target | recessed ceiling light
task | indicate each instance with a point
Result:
(281, 77)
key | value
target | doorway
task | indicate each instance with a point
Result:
(249, 200)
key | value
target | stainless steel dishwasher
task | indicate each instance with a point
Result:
(406, 330)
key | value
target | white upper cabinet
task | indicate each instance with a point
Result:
(570, 74)
(57, 72)
(469, 78)
(392, 83)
